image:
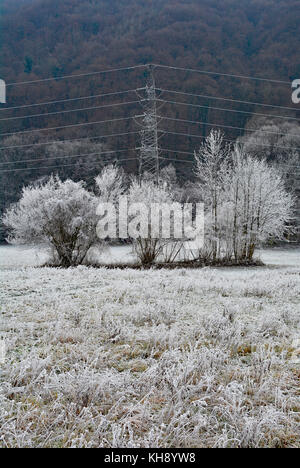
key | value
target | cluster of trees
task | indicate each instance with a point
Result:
(272, 140)
(277, 141)
(245, 202)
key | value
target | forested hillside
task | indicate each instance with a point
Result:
(51, 38)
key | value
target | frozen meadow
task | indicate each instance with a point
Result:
(126, 358)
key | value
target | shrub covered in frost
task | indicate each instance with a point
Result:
(59, 214)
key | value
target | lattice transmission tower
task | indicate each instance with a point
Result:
(149, 149)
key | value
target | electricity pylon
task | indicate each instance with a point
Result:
(149, 150)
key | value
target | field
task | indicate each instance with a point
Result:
(125, 358)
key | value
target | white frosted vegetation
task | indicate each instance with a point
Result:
(245, 199)
(59, 215)
(184, 358)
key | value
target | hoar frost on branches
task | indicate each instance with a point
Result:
(258, 205)
(245, 204)
(110, 184)
(58, 214)
(245, 199)
(151, 246)
(211, 169)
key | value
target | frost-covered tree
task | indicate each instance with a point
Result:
(245, 199)
(273, 139)
(110, 184)
(211, 169)
(61, 215)
(257, 206)
(34, 150)
(148, 248)
(277, 142)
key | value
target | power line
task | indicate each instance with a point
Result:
(193, 154)
(64, 77)
(68, 156)
(188, 152)
(192, 162)
(155, 65)
(71, 110)
(206, 72)
(69, 139)
(191, 135)
(70, 126)
(157, 89)
(82, 162)
(227, 126)
(93, 96)
(227, 110)
(176, 151)
(140, 116)
(63, 165)
(129, 149)
(118, 160)
(177, 160)
(227, 99)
